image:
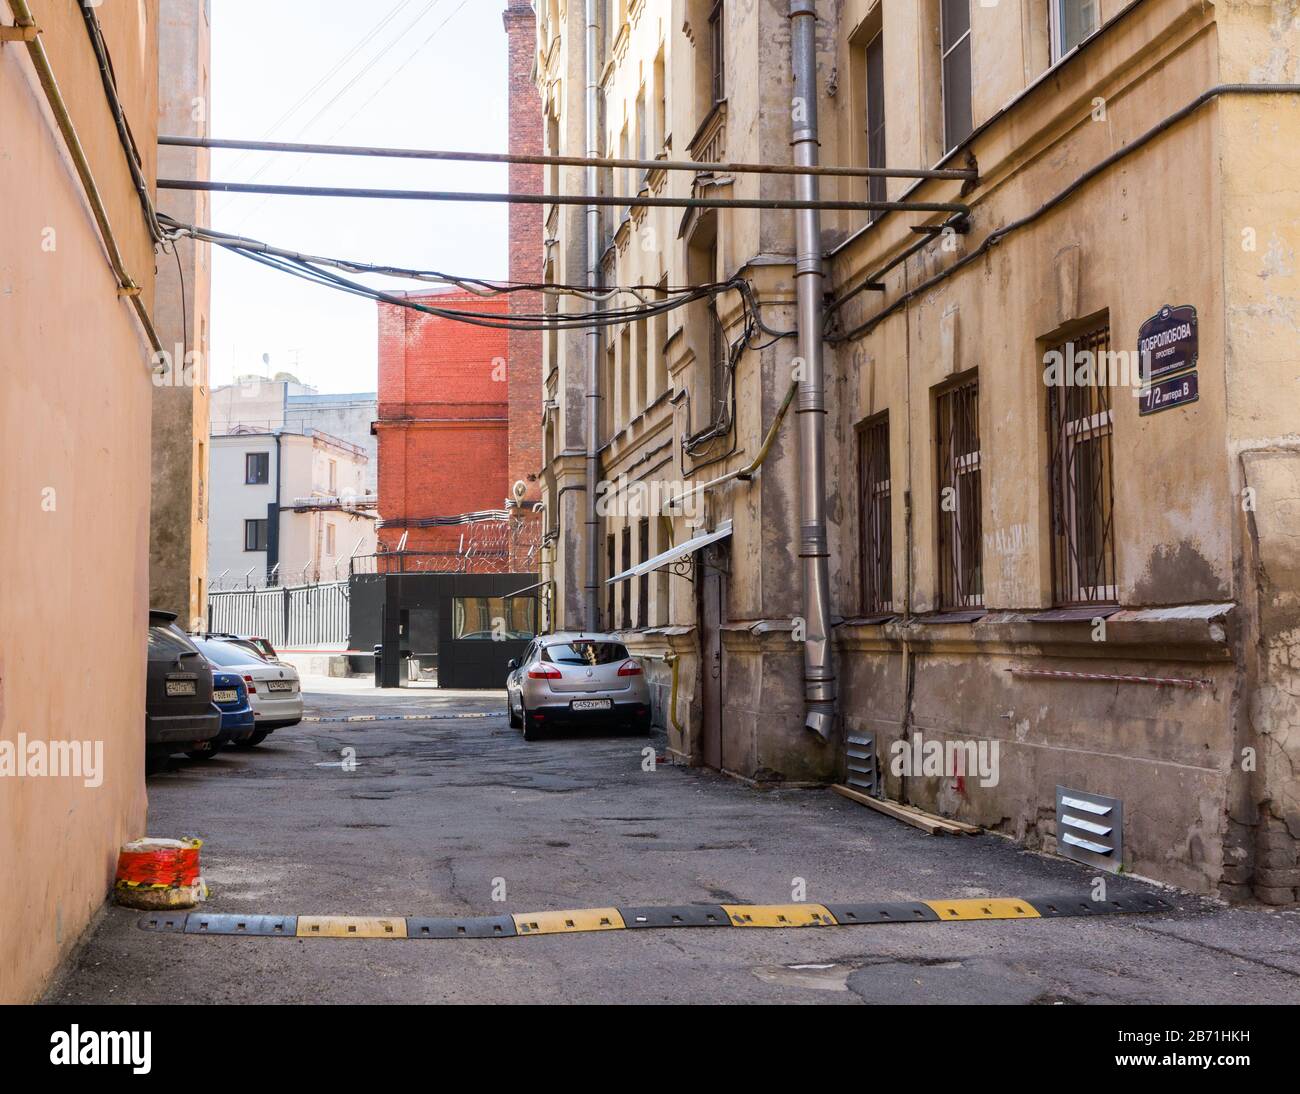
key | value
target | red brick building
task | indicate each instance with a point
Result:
(443, 425)
(460, 405)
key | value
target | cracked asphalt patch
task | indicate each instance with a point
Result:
(439, 815)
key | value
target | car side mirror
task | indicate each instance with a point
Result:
(512, 664)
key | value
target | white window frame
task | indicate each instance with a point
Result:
(944, 54)
(1057, 33)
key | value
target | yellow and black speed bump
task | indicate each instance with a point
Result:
(584, 920)
(987, 908)
(574, 921)
(682, 915)
(1055, 907)
(172, 921)
(847, 915)
(779, 915)
(269, 926)
(483, 926)
(351, 926)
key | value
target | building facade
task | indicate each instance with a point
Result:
(286, 403)
(75, 401)
(1060, 442)
(443, 427)
(288, 507)
(178, 541)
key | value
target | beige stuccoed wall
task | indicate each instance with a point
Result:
(1160, 228)
(1165, 226)
(75, 397)
(1261, 232)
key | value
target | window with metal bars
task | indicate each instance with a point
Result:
(643, 582)
(961, 556)
(1080, 424)
(875, 74)
(625, 619)
(874, 528)
(611, 557)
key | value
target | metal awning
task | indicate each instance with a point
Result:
(527, 589)
(681, 553)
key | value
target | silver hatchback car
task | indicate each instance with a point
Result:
(576, 679)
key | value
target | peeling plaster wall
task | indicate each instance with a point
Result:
(1162, 227)
(1131, 240)
(1260, 42)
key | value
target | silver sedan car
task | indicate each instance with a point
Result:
(575, 679)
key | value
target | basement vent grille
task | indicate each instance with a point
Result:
(863, 770)
(1090, 828)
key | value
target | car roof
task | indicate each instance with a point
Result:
(586, 636)
(238, 647)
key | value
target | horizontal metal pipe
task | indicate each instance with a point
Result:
(958, 173)
(998, 234)
(554, 199)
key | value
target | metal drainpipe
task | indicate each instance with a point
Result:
(819, 677)
(592, 567)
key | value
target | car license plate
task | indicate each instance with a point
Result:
(182, 687)
(592, 704)
(280, 685)
(225, 695)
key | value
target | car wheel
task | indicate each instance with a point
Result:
(256, 739)
(154, 765)
(515, 721)
(532, 731)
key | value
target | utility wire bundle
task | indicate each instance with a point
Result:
(651, 300)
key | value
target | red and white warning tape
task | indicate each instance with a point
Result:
(1170, 681)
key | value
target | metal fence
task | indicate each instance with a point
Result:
(287, 616)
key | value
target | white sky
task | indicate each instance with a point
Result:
(266, 56)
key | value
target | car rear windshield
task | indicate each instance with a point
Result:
(223, 653)
(168, 640)
(580, 652)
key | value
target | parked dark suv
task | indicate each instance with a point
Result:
(179, 715)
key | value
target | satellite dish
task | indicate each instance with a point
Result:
(519, 490)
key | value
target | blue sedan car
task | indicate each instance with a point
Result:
(230, 696)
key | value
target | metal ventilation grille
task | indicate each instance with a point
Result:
(1090, 828)
(863, 771)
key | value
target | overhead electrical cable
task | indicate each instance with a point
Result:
(329, 75)
(363, 71)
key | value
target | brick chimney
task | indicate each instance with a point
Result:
(525, 347)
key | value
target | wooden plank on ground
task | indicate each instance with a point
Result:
(909, 814)
(892, 809)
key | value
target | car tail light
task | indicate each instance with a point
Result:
(629, 668)
(252, 687)
(544, 672)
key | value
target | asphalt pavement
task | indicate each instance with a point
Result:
(436, 808)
